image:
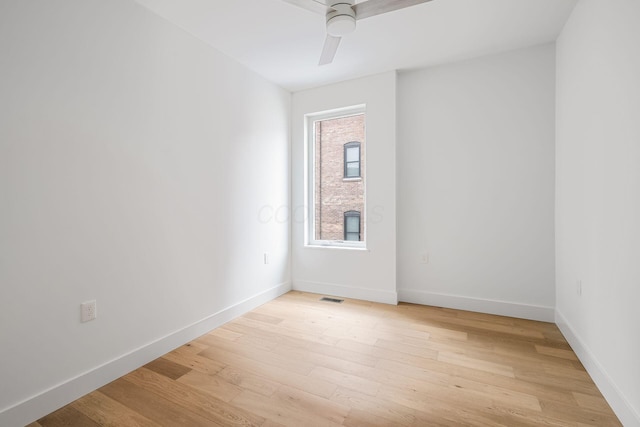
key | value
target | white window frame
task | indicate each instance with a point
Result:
(310, 179)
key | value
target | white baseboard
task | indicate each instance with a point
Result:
(620, 405)
(501, 308)
(331, 289)
(49, 400)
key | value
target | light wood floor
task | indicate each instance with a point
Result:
(297, 361)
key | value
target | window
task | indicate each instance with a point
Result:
(335, 174)
(352, 226)
(352, 160)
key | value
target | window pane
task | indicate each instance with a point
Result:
(353, 154)
(353, 236)
(353, 224)
(353, 169)
(333, 160)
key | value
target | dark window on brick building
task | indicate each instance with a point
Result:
(352, 226)
(352, 160)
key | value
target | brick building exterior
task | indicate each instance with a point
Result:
(338, 191)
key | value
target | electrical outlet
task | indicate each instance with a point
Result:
(88, 311)
(266, 258)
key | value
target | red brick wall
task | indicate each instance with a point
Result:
(335, 194)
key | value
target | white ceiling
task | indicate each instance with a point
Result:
(283, 42)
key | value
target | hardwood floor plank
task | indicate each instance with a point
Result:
(263, 318)
(388, 354)
(192, 360)
(258, 354)
(288, 344)
(556, 352)
(167, 368)
(320, 359)
(268, 333)
(425, 350)
(548, 379)
(256, 341)
(385, 411)
(354, 382)
(284, 412)
(437, 407)
(193, 347)
(462, 386)
(310, 403)
(594, 403)
(282, 375)
(215, 385)
(359, 418)
(163, 411)
(194, 400)
(582, 415)
(469, 362)
(353, 334)
(435, 371)
(391, 331)
(249, 381)
(305, 335)
(342, 354)
(67, 416)
(108, 412)
(225, 333)
(432, 328)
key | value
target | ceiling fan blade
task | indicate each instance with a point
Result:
(376, 7)
(315, 6)
(329, 50)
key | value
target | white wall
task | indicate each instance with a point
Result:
(366, 274)
(476, 184)
(134, 161)
(598, 196)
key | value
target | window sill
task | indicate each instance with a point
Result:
(330, 246)
(352, 179)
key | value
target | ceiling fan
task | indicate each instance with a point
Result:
(341, 16)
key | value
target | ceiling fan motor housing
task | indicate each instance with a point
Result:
(341, 19)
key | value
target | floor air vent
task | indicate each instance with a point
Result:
(336, 300)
